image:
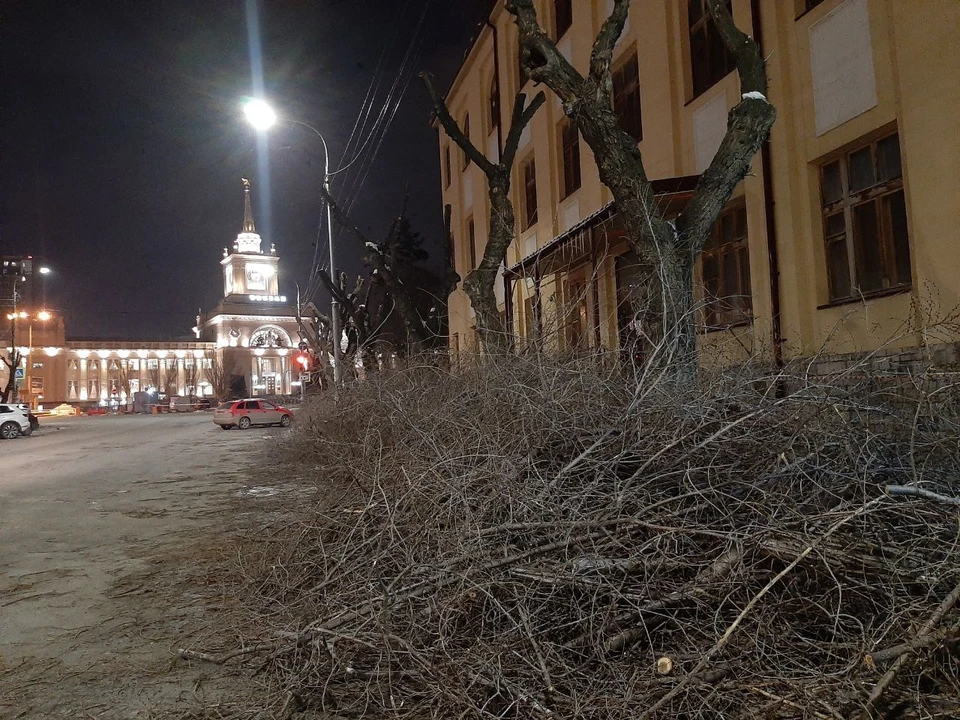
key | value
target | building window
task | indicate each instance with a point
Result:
(710, 61)
(446, 167)
(472, 237)
(626, 97)
(466, 132)
(493, 103)
(805, 6)
(725, 268)
(528, 173)
(570, 150)
(562, 17)
(575, 292)
(529, 318)
(865, 220)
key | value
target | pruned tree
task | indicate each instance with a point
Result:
(170, 377)
(669, 248)
(360, 325)
(191, 377)
(217, 374)
(400, 248)
(316, 330)
(155, 377)
(123, 379)
(11, 360)
(479, 282)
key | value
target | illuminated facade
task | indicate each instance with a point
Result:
(244, 345)
(842, 239)
(253, 328)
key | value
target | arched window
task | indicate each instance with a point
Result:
(269, 336)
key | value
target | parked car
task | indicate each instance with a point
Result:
(250, 411)
(14, 421)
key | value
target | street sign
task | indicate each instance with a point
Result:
(19, 375)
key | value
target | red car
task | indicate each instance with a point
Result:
(246, 413)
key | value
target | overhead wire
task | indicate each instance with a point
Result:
(363, 113)
(388, 110)
(362, 151)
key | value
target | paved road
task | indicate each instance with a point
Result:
(87, 505)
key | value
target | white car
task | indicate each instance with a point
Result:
(14, 421)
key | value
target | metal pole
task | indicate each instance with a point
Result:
(29, 363)
(13, 341)
(334, 304)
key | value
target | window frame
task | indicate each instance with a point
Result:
(528, 186)
(718, 313)
(845, 206)
(466, 133)
(802, 7)
(493, 103)
(566, 16)
(472, 242)
(571, 177)
(446, 166)
(629, 90)
(705, 25)
(577, 326)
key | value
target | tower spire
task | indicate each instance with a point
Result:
(248, 226)
(248, 241)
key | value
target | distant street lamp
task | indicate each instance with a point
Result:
(42, 316)
(262, 117)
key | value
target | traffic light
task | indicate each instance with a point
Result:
(303, 346)
(303, 360)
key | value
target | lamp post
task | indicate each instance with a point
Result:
(262, 117)
(15, 315)
(42, 316)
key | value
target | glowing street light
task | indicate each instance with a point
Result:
(259, 114)
(44, 270)
(262, 117)
(44, 315)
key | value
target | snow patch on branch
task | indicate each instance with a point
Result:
(754, 95)
(373, 246)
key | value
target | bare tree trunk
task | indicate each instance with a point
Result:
(12, 365)
(670, 248)
(218, 376)
(451, 278)
(478, 284)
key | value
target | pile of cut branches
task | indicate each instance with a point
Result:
(532, 539)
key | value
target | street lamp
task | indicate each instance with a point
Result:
(42, 316)
(259, 114)
(262, 117)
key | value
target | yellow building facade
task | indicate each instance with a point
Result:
(845, 237)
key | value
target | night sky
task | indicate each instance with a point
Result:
(122, 141)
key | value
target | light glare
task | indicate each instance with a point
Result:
(259, 114)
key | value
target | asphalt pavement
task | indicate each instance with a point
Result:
(87, 506)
